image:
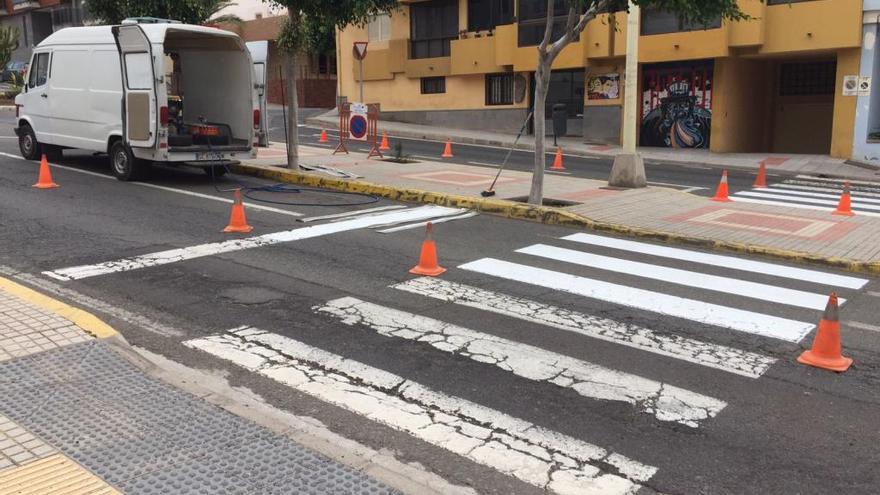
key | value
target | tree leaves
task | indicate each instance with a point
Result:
(187, 11)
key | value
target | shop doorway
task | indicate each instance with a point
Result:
(566, 87)
(803, 111)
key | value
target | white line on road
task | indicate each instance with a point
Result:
(800, 188)
(703, 353)
(832, 203)
(874, 294)
(422, 224)
(187, 253)
(862, 326)
(693, 189)
(797, 194)
(665, 402)
(679, 307)
(741, 199)
(545, 458)
(484, 164)
(730, 262)
(838, 181)
(351, 213)
(687, 278)
(667, 184)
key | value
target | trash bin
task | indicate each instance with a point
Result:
(560, 119)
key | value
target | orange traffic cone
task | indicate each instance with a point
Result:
(428, 257)
(45, 179)
(557, 162)
(844, 207)
(825, 353)
(761, 179)
(447, 152)
(237, 221)
(383, 146)
(721, 193)
(323, 138)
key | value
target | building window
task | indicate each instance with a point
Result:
(533, 18)
(326, 64)
(432, 26)
(499, 89)
(807, 78)
(656, 21)
(433, 85)
(379, 28)
(484, 15)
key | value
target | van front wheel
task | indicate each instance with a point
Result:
(28, 144)
(125, 166)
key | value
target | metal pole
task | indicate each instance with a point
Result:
(631, 85)
(361, 64)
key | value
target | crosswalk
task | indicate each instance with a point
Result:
(711, 294)
(815, 193)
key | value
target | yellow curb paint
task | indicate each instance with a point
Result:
(545, 214)
(54, 474)
(87, 321)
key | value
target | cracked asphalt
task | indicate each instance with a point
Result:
(784, 428)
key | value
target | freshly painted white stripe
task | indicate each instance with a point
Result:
(730, 262)
(665, 402)
(727, 285)
(741, 199)
(862, 326)
(796, 194)
(544, 458)
(707, 354)
(187, 253)
(422, 224)
(798, 187)
(855, 204)
(839, 181)
(679, 307)
(351, 213)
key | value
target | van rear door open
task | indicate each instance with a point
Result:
(139, 86)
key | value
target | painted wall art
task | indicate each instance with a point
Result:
(676, 105)
(603, 87)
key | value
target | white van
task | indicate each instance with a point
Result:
(165, 92)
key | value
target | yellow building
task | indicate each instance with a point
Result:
(769, 84)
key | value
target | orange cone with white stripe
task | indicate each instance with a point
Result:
(383, 146)
(447, 151)
(557, 162)
(428, 257)
(323, 138)
(237, 221)
(721, 192)
(825, 353)
(844, 206)
(44, 181)
(761, 179)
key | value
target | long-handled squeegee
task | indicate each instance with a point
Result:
(491, 191)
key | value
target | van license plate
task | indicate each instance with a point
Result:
(209, 155)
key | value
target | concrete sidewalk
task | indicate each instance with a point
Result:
(662, 213)
(775, 162)
(77, 416)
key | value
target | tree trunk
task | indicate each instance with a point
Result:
(542, 80)
(292, 107)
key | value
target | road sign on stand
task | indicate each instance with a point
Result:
(357, 122)
(360, 122)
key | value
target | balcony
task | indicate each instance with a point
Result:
(474, 55)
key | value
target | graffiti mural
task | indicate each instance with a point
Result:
(677, 106)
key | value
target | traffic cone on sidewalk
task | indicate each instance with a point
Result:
(721, 193)
(844, 206)
(557, 162)
(383, 146)
(323, 138)
(447, 152)
(825, 353)
(428, 257)
(237, 221)
(44, 181)
(761, 179)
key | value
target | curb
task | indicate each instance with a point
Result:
(547, 215)
(83, 319)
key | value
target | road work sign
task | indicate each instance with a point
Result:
(357, 122)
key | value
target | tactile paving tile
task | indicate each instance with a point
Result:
(18, 446)
(146, 437)
(26, 329)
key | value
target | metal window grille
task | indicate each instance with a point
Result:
(807, 78)
(433, 85)
(499, 89)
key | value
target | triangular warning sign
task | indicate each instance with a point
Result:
(360, 49)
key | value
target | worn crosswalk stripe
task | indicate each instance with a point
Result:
(352, 213)
(422, 224)
(729, 262)
(816, 201)
(187, 253)
(664, 401)
(545, 458)
(717, 356)
(827, 194)
(711, 314)
(687, 278)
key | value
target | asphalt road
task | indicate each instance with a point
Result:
(774, 427)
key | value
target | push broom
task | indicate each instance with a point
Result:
(491, 191)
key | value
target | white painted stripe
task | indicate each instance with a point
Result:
(730, 262)
(798, 187)
(862, 326)
(703, 353)
(679, 307)
(484, 164)
(544, 458)
(449, 212)
(351, 213)
(727, 285)
(741, 199)
(838, 181)
(833, 203)
(667, 184)
(692, 189)
(249, 205)
(796, 193)
(188, 253)
(874, 294)
(665, 402)
(422, 224)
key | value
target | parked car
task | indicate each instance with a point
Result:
(13, 68)
(159, 92)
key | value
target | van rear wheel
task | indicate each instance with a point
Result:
(124, 165)
(30, 148)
